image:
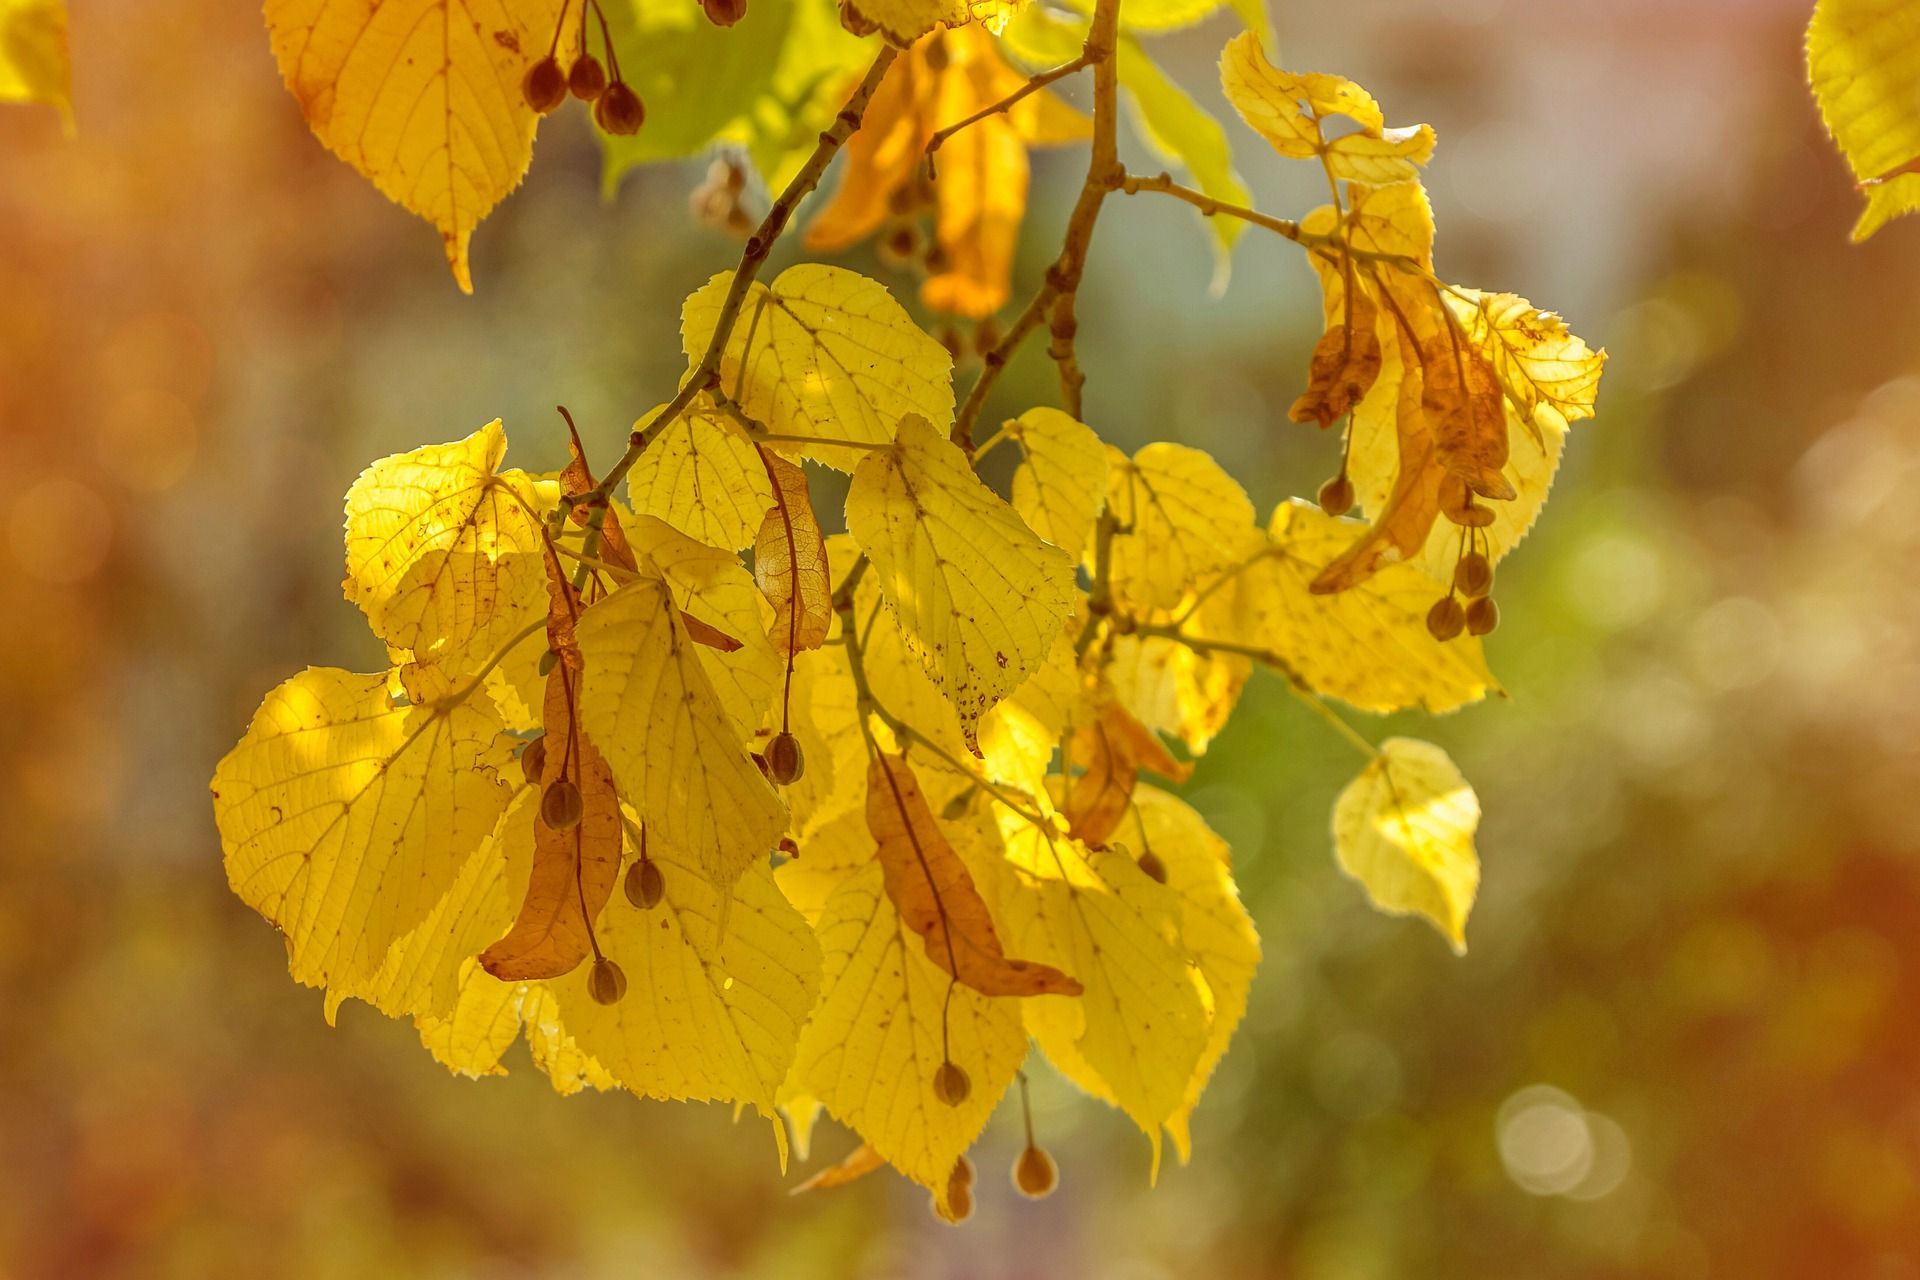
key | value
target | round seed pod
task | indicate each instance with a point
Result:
(588, 79)
(724, 13)
(1483, 615)
(645, 885)
(1336, 495)
(785, 761)
(1155, 869)
(1035, 1175)
(950, 1084)
(533, 760)
(619, 110)
(1473, 575)
(1446, 619)
(605, 982)
(544, 86)
(560, 805)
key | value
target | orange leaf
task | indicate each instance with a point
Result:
(790, 561)
(1466, 413)
(576, 479)
(936, 897)
(1112, 749)
(1411, 507)
(573, 870)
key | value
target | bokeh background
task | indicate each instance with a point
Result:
(1686, 1039)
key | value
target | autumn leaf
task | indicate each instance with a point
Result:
(1367, 645)
(649, 704)
(1290, 110)
(721, 975)
(442, 556)
(1346, 364)
(888, 1019)
(1215, 930)
(790, 561)
(1404, 829)
(1134, 1038)
(1060, 485)
(935, 896)
(826, 353)
(33, 55)
(1179, 516)
(1174, 689)
(857, 1164)
(1863, 59)
(702, 475)
(978, 594)
(1112, 749)
(980, 193)
(423, 97)
(346, 815)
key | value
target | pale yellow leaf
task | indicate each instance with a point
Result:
(1180, 516)
(1061, 482)
(1289, 110)
(823, 352)
(702, 476)
(648, 703)
(1863, 59)
(346, 819)
(978, 595)
(1404, 829)
(871, 1049)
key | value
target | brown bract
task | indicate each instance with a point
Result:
(1112, 750)
(1346, 364)
(935, 895)
(790, 561)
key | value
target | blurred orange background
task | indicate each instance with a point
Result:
(1686, 1039)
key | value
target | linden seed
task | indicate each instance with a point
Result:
(1035, 1175)
(900, 245)
(533, 761)
(1483, 615)
(645, 885)
(1473, 575)
(560, 805)
(963, 1171)
(1446, 618)
(724, 13)
(1336, 495)
(545, 86)
(959, 1205)
(547, 660)
(605, 983)
(619, 110)
(588, 79)
(986, 335)
(1156, 870)
(950, 1084)
(785, 761)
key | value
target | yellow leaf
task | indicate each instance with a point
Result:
(1171, 688)
(346, 818)
(33, 55)
(569, 1067)
(421, 96)
(790, 562)
(1368, 645)
(1215, 930)
(1289, 109)
(713, 588)
(875, 1041)
(702, 475)
(1180, 516)
(935, 896)
(1136, 1035)
(425, 970)
(823, 352)
(1404, 829)
(978, 595)
(1863, 59)
(648, 703)
(720, 978)
(1548, 374)
(1061, 482)
(1018, 737)
(441, 556)
(471, 1037)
